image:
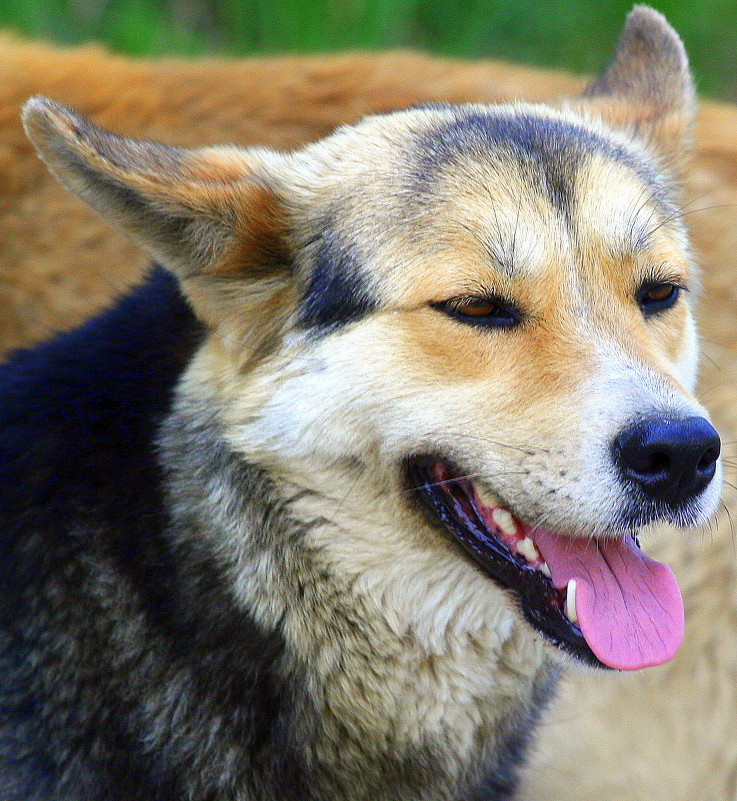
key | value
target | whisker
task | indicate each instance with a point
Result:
(711, 359)
(468, 477)
(702, 530)
(645, 196)
(527, 450)
(516, 227)
(707, 390)
(348, 494)
(691, 202)
(711, 341)
(681, 215)
(731, 524)
(678, 211)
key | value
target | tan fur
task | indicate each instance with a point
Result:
(617, 738)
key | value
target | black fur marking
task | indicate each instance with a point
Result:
(551, 151)
(121, 651)
(337, 293)
(101, 391)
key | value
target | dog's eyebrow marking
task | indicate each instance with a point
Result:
(499, 247)
(337, 292)
(640, 223)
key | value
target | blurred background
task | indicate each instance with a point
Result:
(565, 34)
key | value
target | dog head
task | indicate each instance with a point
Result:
(490, 304)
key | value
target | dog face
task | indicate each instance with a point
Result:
(507, 319)
(490, 305)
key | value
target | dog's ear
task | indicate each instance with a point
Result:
(198, 212)
(647, 89)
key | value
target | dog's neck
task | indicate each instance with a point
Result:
(411, 667)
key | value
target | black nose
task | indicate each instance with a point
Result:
(670, 459)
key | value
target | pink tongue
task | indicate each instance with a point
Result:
(629, 606)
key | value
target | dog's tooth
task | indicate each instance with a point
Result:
(545, 570)
(571, 612)
(503, 518)
(528, 549)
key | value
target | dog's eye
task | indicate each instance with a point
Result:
(490, 312)
(656, 297)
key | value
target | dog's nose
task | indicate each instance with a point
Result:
(670, 459)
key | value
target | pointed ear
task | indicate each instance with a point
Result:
(647, 90)
(209, 211)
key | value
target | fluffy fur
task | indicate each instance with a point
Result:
(675, 685)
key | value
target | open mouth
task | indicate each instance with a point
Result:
(602, 600)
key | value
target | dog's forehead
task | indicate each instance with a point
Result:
(550, 148)
(542, 175)
(519, 220)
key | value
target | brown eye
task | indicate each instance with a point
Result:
(475, 307)
(488, 312)
(656, 297)
(659, 293)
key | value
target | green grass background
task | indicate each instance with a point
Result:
(577, 35)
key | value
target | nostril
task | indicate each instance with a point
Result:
(709, 459)
(657, 463)
(641, 458)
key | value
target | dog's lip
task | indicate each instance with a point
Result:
(603, 600)
(540, 602)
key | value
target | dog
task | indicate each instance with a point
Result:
(315, 511)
